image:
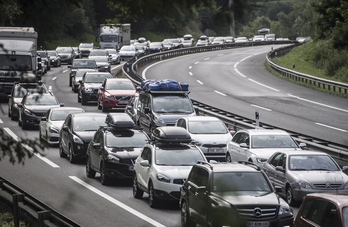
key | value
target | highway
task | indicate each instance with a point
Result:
(234, 80)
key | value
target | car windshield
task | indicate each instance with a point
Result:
(207, 127)
(41, 100)
(112, 51)
(60, 115)
(98, 53)
(240, 181)
(155, 44)
(108, 38)
(128, 48)
(52, 53)
(177, 156)
(87, 45)
(96, 78)
(125, 139)
(88, 123)
(64, 50)
(20, 62)
(272, 141)
(172, 104)
(312, 163)
(84, 64)
(21, 91)
(42, 54)
(119, 85)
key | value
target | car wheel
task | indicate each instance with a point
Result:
(228, 157)
(72, 157)
(19, 120)
(290, 197)
(9, 112)
(89, 171)
(83, 100)
(70, 83)
(78, 98)
(104, 180)
(104, 109)
(152, 197)
(185, 216)
(99, 106)
(40, 135)
(137, 192)
(61, 152)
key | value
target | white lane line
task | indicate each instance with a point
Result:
(190, 67)
(327, 126)
(263, 85)
(190, 73)
(235, 69)
(196, 62)
(260, 107)
(200, 82)
(54, 78)
(64, 71)
(116, 202)
(1, 121)
(118, 66)
(206, 59)
(220, 93)
(16, 138)
(318, 103)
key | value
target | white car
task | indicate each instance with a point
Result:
(114, 56)
(127, 52)
(164, 165)
(210, 134)
(257, 145)
(52, 122)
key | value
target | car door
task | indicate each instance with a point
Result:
(143, 172)
(43, 123)
(270, 166)
(145, 113)
(95, 152)
(238, 153)
(280, 176)
(64, 133)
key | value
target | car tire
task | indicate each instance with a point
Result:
(9, 112)
(104, 109)
(99, 106)
(72, 158)
(228, 157)
(78, 98)
(40, 136)
(61, 152)
(153, 201)
(185, 216)
(83, 100)
(90, 173)
(19, 121)
(104, 180)
(137, 192)
(289, 196)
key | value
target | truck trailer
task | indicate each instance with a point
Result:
(18, 46)
(112, 36)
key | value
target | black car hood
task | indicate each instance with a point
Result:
(249, 197)
(92, 85)
(85, 136)
(126, 152)
(40, 108)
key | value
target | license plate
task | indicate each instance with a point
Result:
(123, 102)
(216, 150)
(257, 224)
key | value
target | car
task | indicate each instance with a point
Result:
(114, 148)
(231, 194)
(241, 40)
(270, 37)
(132, 107)
(168, 45)
(323, 209)
(77, 52)
(164, 165)
(77, 77)
(81, 64)
(115, 93)
(99, 52)
(188, 41)
(155, 47)
(45, 58)
(210, 134)
(176, 42)
(89, 86)
(77, 132)
(301, 172)
(161, 103)
(142, 47)
(103, 63)
(127, 52)
(67, 54)
(259, 38)
(54, 58)
(229, 39)
(86, 48)
(218, 40)
(19, 90)
(257, 145)
(52, 121)
(34, 106)
(114, 56)
(202, 42)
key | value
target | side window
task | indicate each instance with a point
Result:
(241, 138)
(146, 155)
(317, 212)
(282, 161)
(182, 123)
(96, 137)
(200, 178)
(236, 138)
(331, 217)
(275, 160)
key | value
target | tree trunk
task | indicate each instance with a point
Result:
(232, 23)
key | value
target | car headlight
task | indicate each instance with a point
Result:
(162, 178)
(53, 129)
(108, 96)
(159, 121)
(15, 105)
(261, 160)
(346, 185)
(77, 139)
(88, 89)
(113, 159)
(285, 210)
(305, 185)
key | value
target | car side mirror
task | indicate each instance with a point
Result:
(96, 145)
(201, 189)
(65, 128)
(280, 168)
(69, 66)
(278, 189)
(145, 163)
(43, 119)
(61, 104)
(147, 110)
(244, 145)
(302, 145)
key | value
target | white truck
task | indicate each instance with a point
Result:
(17, 56)
(112, 36)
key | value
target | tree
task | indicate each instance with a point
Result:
(10, 10)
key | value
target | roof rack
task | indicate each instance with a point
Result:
(119, 121)
(170, 134)
(251, 164)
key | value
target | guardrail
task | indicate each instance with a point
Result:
(46, 216)
(337, 151)
(317, 82)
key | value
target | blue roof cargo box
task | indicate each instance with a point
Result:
(164, 85)
(119, 121)
(171, 134)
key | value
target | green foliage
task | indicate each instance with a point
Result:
(6, 220)
(10, 10)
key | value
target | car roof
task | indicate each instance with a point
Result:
(66, 108)
(338, 198)
(118, 79)
(265, 131)
(89, 114)
(303, 152)
(220, 167)
(201, 118)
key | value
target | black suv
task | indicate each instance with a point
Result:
(231, 194)
(81, 64)
(113, 149)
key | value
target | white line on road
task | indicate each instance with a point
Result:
(54, 78)
(260, 107)
(49, 162)
(1, 121)
(263, 85)
(116, 202)
(220, 93)
(196, 62)
(190, 67)
(190, 73)
(318, 103)
(200, 82)
(206, 59)
(64, 71)
(327, 126)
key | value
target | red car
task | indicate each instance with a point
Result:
(115, 93)
(323, 209)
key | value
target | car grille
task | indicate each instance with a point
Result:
(95, 90)
(39, 114)
(260, 212)
(175, 195)
(123, 98)
(214, 145)
(179, 181)
(327, 186)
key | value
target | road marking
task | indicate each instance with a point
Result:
(220, 93)
(190, 67)
(318, 103)
(235, 69)
(263, 85)
(206, 59)
(260, 107)
(64, 71)
(220, 55)
(1, 121)
(200, 82)
(120, 65)
(190, 73)
(196, 62)
(116, 202)
(16, 138)
(327, 126)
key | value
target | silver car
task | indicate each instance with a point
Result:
(302, 172)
